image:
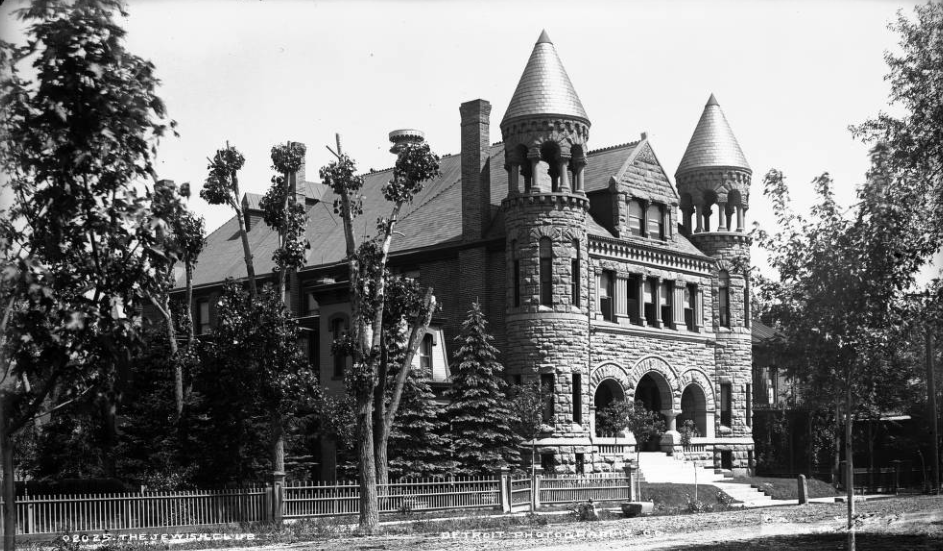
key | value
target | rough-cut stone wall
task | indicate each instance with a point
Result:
(548, 338)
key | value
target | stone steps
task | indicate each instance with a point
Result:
(660, 468)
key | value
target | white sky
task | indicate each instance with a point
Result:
(790, 77)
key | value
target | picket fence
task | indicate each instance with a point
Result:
(86, 513)
(59, 514)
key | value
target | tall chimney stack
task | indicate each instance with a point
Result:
(476, 170)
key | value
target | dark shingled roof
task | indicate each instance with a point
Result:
(544, 88)
(713, 143)
(434, 218)
(761, 332)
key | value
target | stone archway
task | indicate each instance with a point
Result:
(694, 409)
(608, 383)
(607, 392)
(667, 381)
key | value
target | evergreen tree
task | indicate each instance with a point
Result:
(478, 413)
(418, 445)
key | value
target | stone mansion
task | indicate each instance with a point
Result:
(600, 278)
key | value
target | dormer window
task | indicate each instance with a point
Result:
(636, 218)
(656, 221)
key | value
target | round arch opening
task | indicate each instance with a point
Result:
(607, 392)
(694, 409)
(653, 392)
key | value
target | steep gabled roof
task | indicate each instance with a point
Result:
(544, 88)
(713, 143)
(434, 217)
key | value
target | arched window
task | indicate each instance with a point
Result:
(636, 218)
(425, 353)
(575, 283)
(723, 299)
(546, 277)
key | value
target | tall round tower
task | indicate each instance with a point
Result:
(545, 130)
(713, 182)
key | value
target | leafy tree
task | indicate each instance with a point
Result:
(253, 371)
(181, 236)
(479, 417)
(913, 141)
(222, 188)
(842, 281)
(527, 408)
(418, 445)
(77, 132)
(366, 264)
(282, 212)
(622, 414)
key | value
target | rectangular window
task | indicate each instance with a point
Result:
(580, 464)
(632, 300)
(690, 292)
(425, 354)
(546, 272)
(636, 217)
(577, 398)
(203, 317)
(516, 379)
(723, 299)
(517, 283)
(314, 349)
(649, 297)
(606, 280)
(749, 406)
(547, 463)
(546, 391)
(726, 404)
(575, 282)
(664, 301)
(656, 228)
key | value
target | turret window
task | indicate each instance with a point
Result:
(546, 276)
(575, 275)
(517, 274)
(636, 218)
(723, 299)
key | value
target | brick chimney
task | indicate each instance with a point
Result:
(476, 170)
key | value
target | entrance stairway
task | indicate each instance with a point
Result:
(660, 467)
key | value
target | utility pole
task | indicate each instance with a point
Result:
(931, 395)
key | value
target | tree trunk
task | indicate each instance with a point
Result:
(191, 334)
(369, 509)
(849, 458)
(174, 357)
(109, 432)
(9, 488)
(836, 458)
(934, 419)
(247, 252)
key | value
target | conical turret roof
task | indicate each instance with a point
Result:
(544, 88)
(713, 143)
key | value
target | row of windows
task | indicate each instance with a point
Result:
(648, 300)
(651, 221)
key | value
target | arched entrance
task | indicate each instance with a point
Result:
(654, 393)
(607, 392)
(694, 408)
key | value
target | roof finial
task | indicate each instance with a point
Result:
(544, 38)
(712, 101)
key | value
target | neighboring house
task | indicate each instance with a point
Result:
(771, 388)
(600, 279)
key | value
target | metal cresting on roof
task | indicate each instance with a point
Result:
(544, 88)
(713, 143)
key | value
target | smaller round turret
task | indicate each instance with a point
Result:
(713, 178)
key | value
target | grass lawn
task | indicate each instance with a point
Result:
(787, 488)
(673, 499)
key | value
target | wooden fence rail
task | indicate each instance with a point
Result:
(61, 514)
(57, 514)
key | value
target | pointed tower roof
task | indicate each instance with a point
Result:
(544, 88)
(713, 143)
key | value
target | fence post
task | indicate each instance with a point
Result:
(896, 464)
(630, 472)
(535, 489)
(278, 495)
(269, 502)
(504, 476)
(803, 490)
